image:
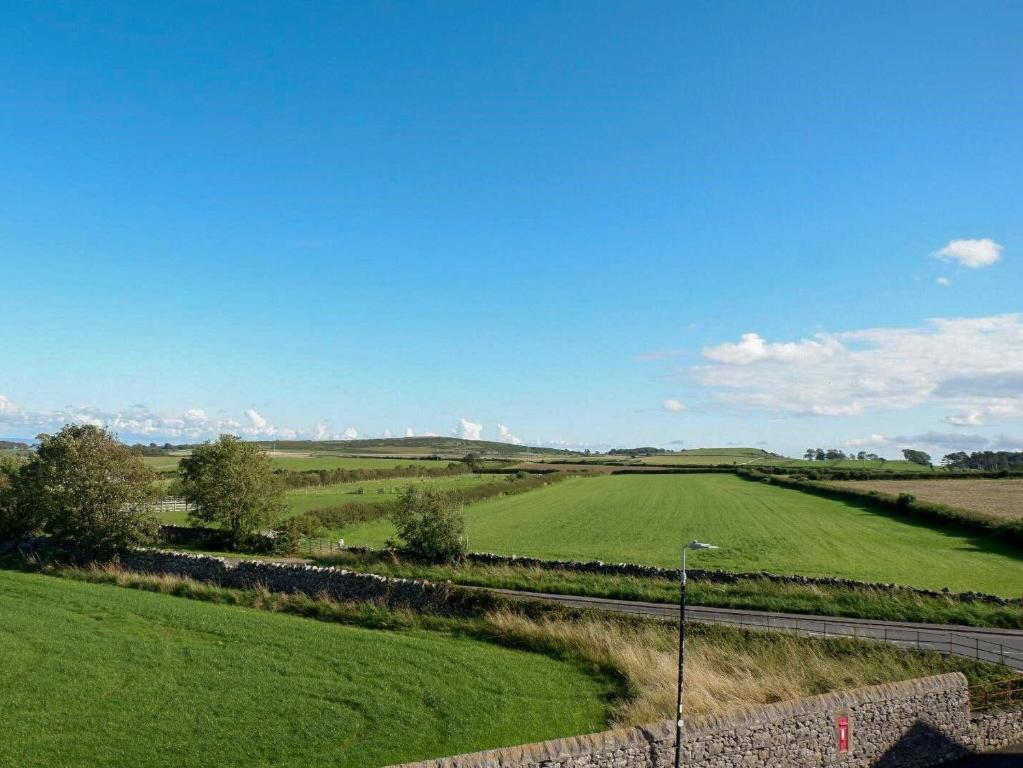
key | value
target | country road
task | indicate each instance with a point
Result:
(997, 645)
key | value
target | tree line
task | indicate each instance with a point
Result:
(987, 461)
(834, 454)
(94, 497)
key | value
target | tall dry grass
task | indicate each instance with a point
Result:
(727, 669)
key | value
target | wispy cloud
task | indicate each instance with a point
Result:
(944, 282)
(970, 253)
(674, 406)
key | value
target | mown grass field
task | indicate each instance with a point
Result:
(101, 675)
(1000, 498)
(643, 519)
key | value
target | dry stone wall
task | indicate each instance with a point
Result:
(311, 580)
(912, 724)
(709, 576)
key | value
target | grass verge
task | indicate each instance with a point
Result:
(751, 594)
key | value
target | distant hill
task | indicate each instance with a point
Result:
(448, 447)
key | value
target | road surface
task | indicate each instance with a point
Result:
(998, 645)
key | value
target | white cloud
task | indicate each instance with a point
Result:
(971, 253)
(387, 434)
(971, 418)
(409, 432)
(960, 363)
(933, 440)
(996, 410)
(943, 281)
(753, 349)
(468, 430)
(350, 433)
(673, 405)
(141, 423)
(257, 420)
(505, 436)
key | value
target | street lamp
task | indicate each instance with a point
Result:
(694, 544)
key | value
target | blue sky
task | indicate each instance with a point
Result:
(561, 218)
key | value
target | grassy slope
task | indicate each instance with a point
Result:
(758, 527)
(103, 676)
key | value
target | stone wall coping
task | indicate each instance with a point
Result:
(255, 564)
(824, 702)
(664, 731)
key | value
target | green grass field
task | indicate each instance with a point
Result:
(300, 463)
(100, 675)
(643, 519)
(300, 500)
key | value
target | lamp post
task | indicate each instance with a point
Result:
(694, 544)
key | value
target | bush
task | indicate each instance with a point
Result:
(429, 527)
(87, 490)
(290, 534)
(905, 500)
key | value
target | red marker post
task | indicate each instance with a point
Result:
(843, 733)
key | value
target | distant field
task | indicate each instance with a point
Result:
(892, 465)
(1001, 498)
(161, 463)
(101, 675)
(758, 527)
(300, 500)
(299, 463)
(752, 457)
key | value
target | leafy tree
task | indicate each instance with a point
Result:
(819, 454)
(917, 457)
(809, 455)
(15, 518)
(88, 490)
(231, 484)
(428, 526)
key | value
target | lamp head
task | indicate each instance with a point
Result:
(695, 544)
